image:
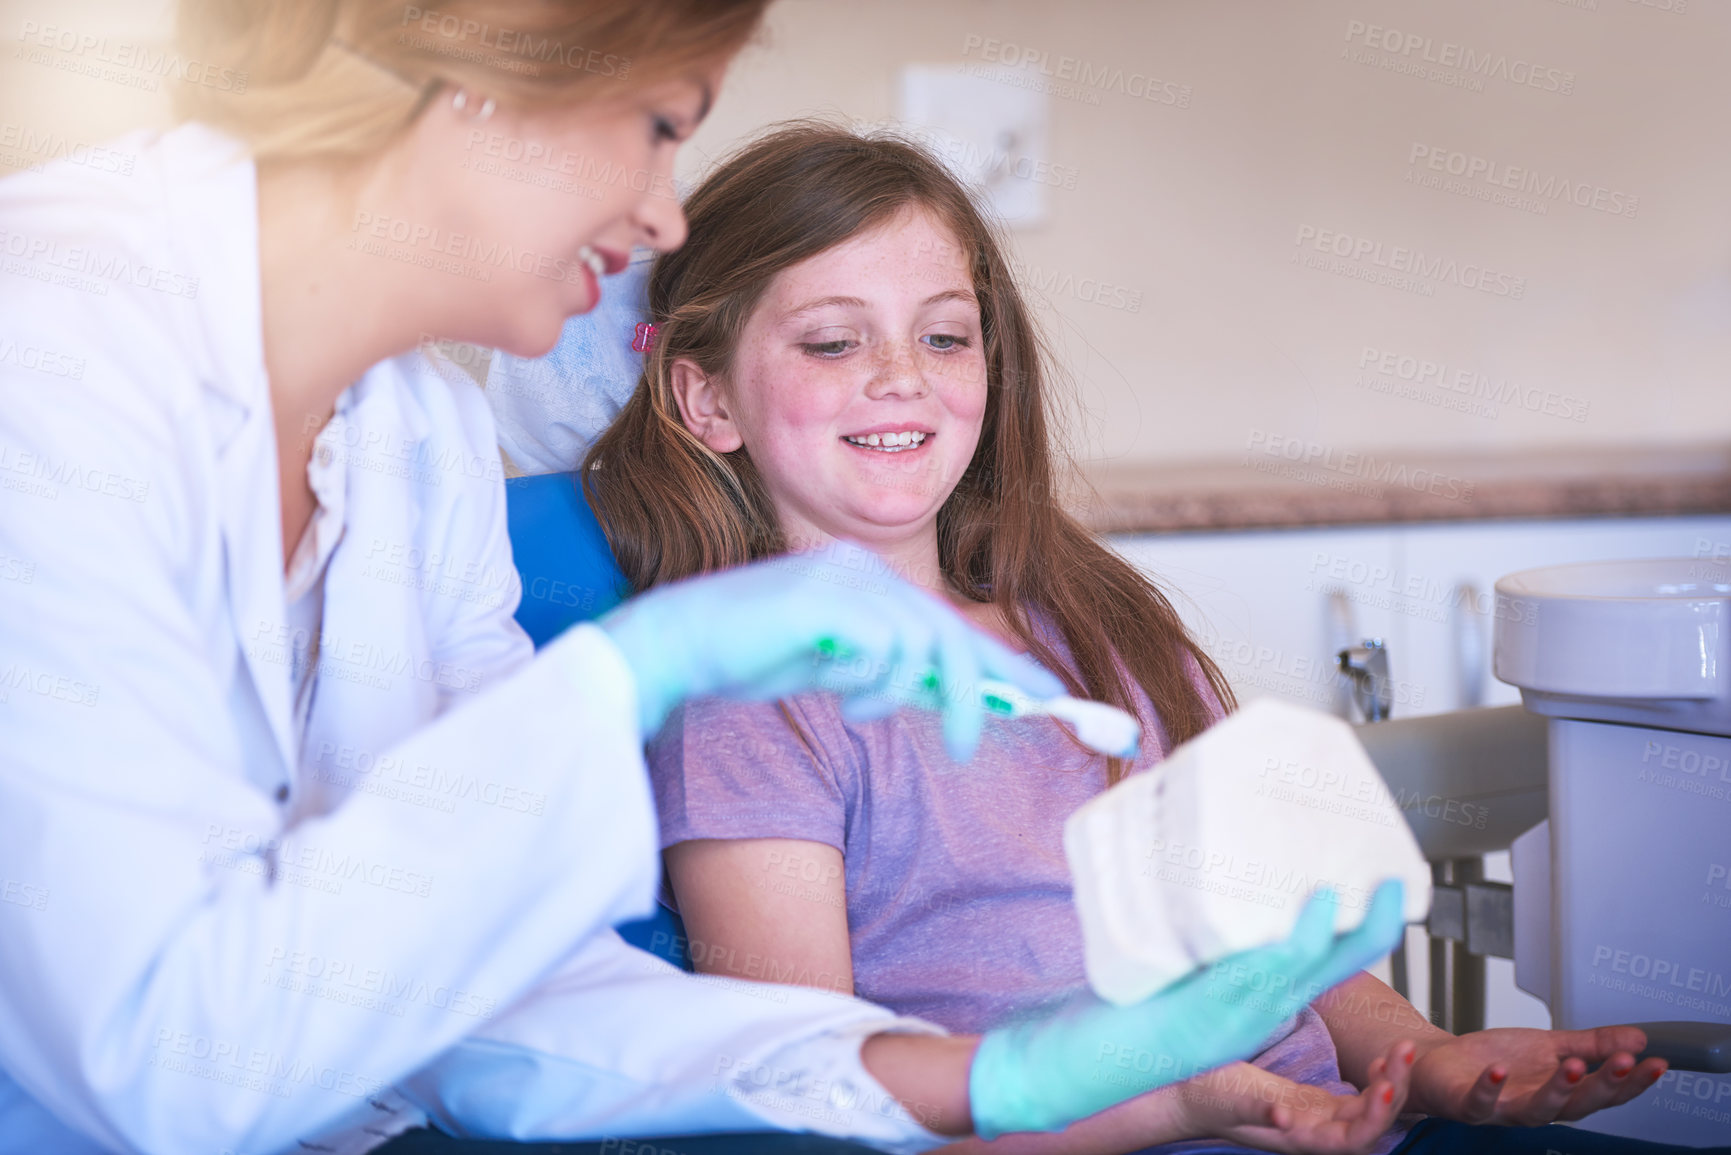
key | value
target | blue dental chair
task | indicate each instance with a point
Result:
(562, 556)
(569, 576)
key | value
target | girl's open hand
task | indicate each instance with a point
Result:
(1528, 1078)
(1246, 1104)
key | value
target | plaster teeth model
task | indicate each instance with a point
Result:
(1216, 849)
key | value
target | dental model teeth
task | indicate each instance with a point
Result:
(889, 442)
(593, 259)
(1216, 849)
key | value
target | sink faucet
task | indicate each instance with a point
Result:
(1367, 665)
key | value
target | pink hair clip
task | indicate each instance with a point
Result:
(645, 338)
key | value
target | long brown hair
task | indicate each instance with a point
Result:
(672, 507)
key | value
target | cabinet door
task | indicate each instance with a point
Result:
(1260, 602)
(1269, 605)
(1447, 556)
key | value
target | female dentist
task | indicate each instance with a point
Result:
(299, 844)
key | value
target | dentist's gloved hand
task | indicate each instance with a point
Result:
(771, 629)
(1045, 1074)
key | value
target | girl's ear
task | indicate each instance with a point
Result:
(703, 407)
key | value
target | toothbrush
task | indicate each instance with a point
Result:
(1098, 726)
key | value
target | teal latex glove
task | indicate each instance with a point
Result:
(1045, 1074)
(774, 628)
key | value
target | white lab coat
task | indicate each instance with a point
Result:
(217, 937)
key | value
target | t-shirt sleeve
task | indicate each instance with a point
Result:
(725, 769)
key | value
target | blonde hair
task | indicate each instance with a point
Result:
(303, 78)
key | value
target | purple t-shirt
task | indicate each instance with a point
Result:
(958, 895)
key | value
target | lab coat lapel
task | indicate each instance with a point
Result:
(374, 684)
(251, 514)
(226, 343)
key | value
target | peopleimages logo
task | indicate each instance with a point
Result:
(416, 240)
(1416, 48)
(457, 32)
(41, 255)
(1543, 186)
(1090, 77)
(1467, 382)
(1350, 463)
(100, 55)
(1368, 259)
(24, 147)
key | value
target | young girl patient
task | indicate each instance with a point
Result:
(843, 356)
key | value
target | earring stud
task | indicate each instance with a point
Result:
(460, 103)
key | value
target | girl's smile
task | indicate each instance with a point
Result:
(891, 438)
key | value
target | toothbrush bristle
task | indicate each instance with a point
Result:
(1099, 726)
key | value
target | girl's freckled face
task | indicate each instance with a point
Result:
(876, 339)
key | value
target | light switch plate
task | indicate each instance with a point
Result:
(990, 132)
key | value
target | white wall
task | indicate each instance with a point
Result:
(1278, 122)
(1198, 208)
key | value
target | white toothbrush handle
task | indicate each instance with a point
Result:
(1003, 700)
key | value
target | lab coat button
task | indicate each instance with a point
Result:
(282, 792)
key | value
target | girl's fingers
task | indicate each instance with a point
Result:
(1355, 1109)
(1349, 1123)
(1617, 1081)
(1380, 1105)
(1646, 1073)
(1480, 1101)
(1399, 1068)
(1385, 1103)
(1543, 1104)
(1255, 1112)
(1597, 1044)
(1247, 1110)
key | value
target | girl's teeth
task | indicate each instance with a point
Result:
(593, 259)
(889, 441)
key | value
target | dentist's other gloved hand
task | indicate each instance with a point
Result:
(1045, 1074)
(770, 629)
